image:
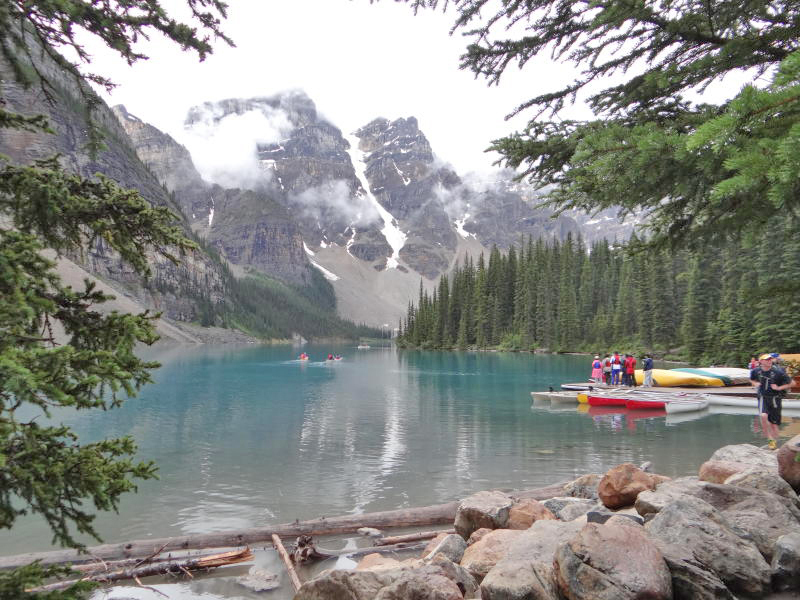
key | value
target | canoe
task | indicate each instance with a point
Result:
(676, 378)
(611, 400)
(576, 387)
(728, 375)
(682, 406)
(747, 410)
(720, 400)
(645, 403)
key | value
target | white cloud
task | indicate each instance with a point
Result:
(224, 148)
(335, 198)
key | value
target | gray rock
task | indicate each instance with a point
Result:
(526, 570)
(695, 525)
(484, 509)
(748, 454)
(428, 582)
(452, 547)
(616, 561)
(259, 580)
(567, 508)
(766, 481)
(786, 562)
(483, 555)
(603, 515)
(455, 572)
(691, 580)
(584, 487)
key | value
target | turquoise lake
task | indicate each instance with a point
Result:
(247, 436)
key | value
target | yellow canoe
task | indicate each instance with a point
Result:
(669, 378)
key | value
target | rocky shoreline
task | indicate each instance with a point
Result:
(732, 531)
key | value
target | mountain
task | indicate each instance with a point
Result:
(375, 211)
(250, 270)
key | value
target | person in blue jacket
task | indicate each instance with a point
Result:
(647, 368)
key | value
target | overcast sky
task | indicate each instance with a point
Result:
(357, 61)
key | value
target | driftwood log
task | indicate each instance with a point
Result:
(408, 517)
(286, 561)
(181, 567)
(410, 537)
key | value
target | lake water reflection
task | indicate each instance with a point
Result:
(246, 436)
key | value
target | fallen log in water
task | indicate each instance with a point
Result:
(411, 537)
(407, 517)
(287, 562)
(183, 566)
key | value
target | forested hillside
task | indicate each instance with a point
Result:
(708, 306)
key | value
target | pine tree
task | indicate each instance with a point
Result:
(44, 468)
(712, 171)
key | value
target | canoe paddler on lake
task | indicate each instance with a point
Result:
(771, 383)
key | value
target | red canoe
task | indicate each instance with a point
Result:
(606, 401)
(642, 403)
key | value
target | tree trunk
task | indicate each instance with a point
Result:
(286, 561)
(409, 517)
(156, 568)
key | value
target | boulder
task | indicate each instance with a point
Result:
(583, 487)
(651, 502)
(375, 561)
(480, 557)
(615, 561)
(455, 572)
(766, 481)
(567, 508)
(526, 570)
(622, 484)
(746, 454)
(720, 496)
(755, 515)
(433, 543)
(526, 512)
(450, 546)
(763, 518)
(717, 471)
(417, 580)
(786, 562)
(603, 515)
(788, 467)
(691, 579)
(484, 509)
(710, 538)
(478, 535)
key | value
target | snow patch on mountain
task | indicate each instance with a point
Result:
(394, 236)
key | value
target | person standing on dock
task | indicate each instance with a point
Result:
(647, 367)
(616, 368)
(630, 370)
(607, 369)
(771, 383)
(597, 369)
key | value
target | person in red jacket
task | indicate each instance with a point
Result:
(630, 370)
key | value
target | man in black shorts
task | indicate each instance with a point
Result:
(772, 384)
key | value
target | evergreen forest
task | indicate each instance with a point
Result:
(705, 306)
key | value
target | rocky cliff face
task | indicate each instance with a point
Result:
(181, 287)
(248, 227)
